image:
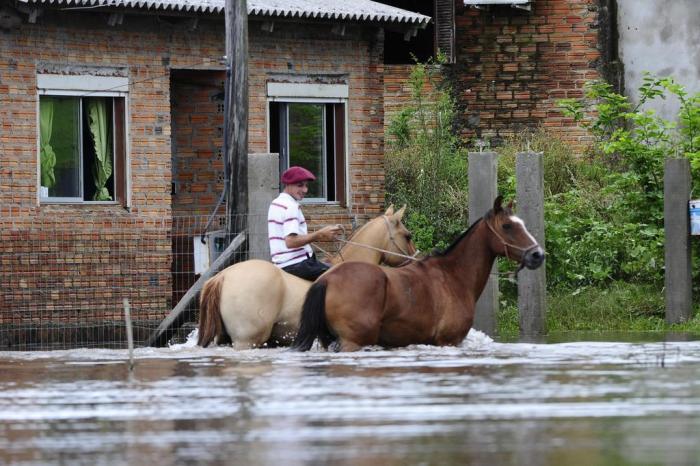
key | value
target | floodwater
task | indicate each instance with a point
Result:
(490, 403)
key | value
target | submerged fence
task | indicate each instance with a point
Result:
(63, 280)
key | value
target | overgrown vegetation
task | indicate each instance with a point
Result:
(425, 164)
(631, 143)
(603, 209)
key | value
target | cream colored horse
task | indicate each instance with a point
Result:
(254, 302)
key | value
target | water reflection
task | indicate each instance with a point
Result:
(591, 402)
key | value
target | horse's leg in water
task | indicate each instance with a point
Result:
(354, 305)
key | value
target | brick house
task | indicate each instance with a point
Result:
(112, 131)
(154, 70)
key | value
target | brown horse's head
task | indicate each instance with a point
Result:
(510, 237)
(399, 240)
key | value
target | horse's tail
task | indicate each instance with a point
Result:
(313, 319)
(211, 324)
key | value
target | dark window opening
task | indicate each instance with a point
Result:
(312, 135)
(422, 46)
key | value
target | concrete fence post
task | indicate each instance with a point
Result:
(532, 284)
(263, 187)
(483, 171)
(677, 278)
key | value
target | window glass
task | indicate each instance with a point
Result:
(59, 146)
(306, 147)
(77, 156)
(312, 135)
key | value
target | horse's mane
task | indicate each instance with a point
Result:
(362, 227)
(467, 232)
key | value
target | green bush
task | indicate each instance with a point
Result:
(631, 143)
(426, 168)
(603, 209)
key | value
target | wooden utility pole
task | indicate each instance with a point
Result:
(236, 147)
(236, 118)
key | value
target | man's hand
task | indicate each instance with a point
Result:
(329, 233)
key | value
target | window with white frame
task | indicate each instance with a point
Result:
(307, 128)
(82, 139)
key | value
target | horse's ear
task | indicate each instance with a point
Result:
(399, 213)
(389, 210)
(498, 204)
(511, 204)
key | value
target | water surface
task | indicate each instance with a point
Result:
(576, 403)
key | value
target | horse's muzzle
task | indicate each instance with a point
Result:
(533, 258)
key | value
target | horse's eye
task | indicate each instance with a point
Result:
(409, 236)
(507, 226)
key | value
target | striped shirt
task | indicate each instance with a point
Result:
(285, 218)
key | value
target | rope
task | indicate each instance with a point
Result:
(413, 257)
(391, 237)
(326, 253)
(509, 275)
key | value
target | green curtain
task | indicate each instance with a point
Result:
(46, 153)
(102, 170)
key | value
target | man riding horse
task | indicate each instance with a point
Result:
(290, 242)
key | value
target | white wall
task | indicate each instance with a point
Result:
(663, 37)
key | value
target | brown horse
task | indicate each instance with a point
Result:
(427, 302)
(253, 303)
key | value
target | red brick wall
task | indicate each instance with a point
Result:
(357, 55)
(197, 124)
(397, 90)
(72, 259)
(198, 162)
(69, 264)
(513, 66)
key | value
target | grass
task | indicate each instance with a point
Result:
(620, 307)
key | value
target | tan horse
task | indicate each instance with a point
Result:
(253, 303)
(427, 302)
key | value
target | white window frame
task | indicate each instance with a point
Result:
(314, 94)
(84, 86)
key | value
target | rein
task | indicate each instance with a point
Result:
(403, 253)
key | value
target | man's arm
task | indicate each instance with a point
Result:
(327, 233)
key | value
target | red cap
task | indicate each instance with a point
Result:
(296, 174)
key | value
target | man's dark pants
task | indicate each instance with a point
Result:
(309, 269)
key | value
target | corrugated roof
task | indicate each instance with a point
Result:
(344, 10)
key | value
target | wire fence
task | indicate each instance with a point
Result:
(63, 281)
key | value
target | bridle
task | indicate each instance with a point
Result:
(523, 250)
(404, 253)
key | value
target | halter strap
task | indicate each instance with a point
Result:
(506, 244)
(393, 241)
